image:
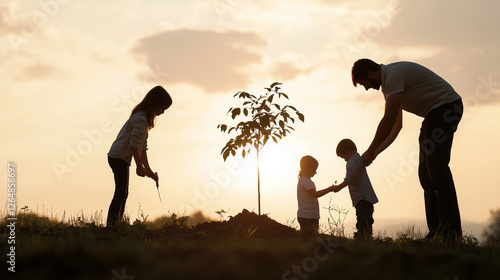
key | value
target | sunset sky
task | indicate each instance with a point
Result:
(71, 72)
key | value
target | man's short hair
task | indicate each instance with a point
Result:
(345, 145)
(360, 69)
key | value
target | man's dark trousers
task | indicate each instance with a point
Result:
(436, 138)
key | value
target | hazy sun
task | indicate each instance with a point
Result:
(278, 163)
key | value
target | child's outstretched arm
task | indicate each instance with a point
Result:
(320, 193)
(337, 188)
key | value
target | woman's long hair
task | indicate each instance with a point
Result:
(157, 97)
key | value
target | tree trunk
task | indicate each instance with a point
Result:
(258, 180)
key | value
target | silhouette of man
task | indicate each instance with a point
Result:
(414, 88)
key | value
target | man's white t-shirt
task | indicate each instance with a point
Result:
(423, 90)
(308, 204)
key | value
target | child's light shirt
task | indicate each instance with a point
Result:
(360, 187)
(308, 204)
(134, 133)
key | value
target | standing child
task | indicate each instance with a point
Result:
(131, 142)
(307, 196)
(362, 194)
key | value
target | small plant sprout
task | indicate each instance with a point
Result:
(336, 224)
(268, 120)
(141, 218)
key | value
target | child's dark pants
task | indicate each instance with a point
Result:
(436, 137)
(121, 173)
(364, 216)
(308, 225)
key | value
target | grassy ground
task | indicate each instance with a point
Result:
(80, 248)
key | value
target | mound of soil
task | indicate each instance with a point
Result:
(246, 224)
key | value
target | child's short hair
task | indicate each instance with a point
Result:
(345, 145)
(306, 163)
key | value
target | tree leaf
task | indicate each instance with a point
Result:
(270, 98)
(285, 115)
(275, 140)
(243, 153)
(245, 111)
(301, 116)
(275, 84)
(266, 138)
(264, 122)
(225, 155)
(235, 112)
(282, 124)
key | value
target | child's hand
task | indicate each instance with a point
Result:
(141, 171)
(333, 188)
(151, 174)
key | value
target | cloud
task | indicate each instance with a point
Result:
(7, 23)
(286, 70)
(446, 22)
(39, 70)
(461, 40)
(214, 61)
(290, 65)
